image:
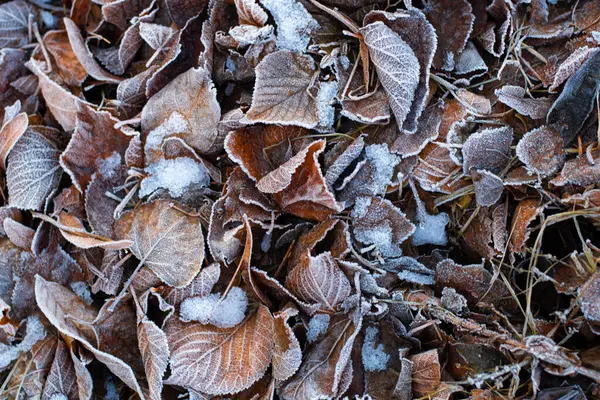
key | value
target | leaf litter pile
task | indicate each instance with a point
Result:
(292, 199)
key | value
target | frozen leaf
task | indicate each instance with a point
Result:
(345, 154)
(201, 285)
(410, 270)
(583, 170)
(63, 378)
(66, 311)
(158, 230)
(374, 109)
(19, 234)
(250, 13)
(281, 92)
(14, 23)
(570, 65)
(287, 355)
(33, 171)
(192, 96)
(576, 101)
(514, 97)
(220, 360)
(61, 102)
(541, 150)
(397, 67)
(487, 149)
(120, 12)
(96, 146)
(116, 59)
(426, 373)
(453, 23)
(10, 133)
(488, 187)
(590, 303)
(182, 10)
(225, 312)
(84, 55)
(428, 129)
(319, 280)
(295, 25)
(493, 37)
(374, 357)
(377, 221)
(326, 370)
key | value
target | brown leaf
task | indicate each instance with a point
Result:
(281, 91)
(190, 100)
(158, 229)
(287, 354)
(526, 212)
(514, 97)
(33, 171)
(66, 380)
(220, 360)
(541, 150)
(10, 133)
(319, 280)
(69, 68)
(426, 373)
(95, 147)
(19, 234)
(487, 149)
(250, 13)
(326, 370)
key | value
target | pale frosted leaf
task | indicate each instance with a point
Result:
(319, 280)
(488, 187)
(287, 354)
(349, 153)
(541, 150)
(487, 149)
(155, 35)
(279, 179)
(396, 65)
(33, 171)
(84, 55)
(201, 285)
(193, 96)
(60, 101)
(571, 64)
(62, 307)
(10, 133)
(158, 230)
(326, 366)
(428, 129)
(14, 23)
(295, 25)
(19, 234)
(220, 360)
(62, 378)
(154, 348)
(281, 91)
(96, 146)
(250, 13)
(514, 97)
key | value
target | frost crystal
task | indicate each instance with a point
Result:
(374, 357)
(317, 326)
(453, 301)
(108, 166)
(82, 290)
(294, 24)
(175, 124)
(384, 162)
(431, 229)
(175, 175)
(208, 310)
(325, 96)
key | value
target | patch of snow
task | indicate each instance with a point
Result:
(325, 96)
(317, 326)
(431, 229)
(361, 206)
(295, 25)
(108, 166)
(175, 175)
(374, 358)
(174, 124)
(209, 310)
(384, 162)
(249, 34)
(82, 290)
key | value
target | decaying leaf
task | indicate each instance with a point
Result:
(541, 150)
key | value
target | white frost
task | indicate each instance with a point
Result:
(294, 24)
(59, 396)
(175, 124)
(317, 326)
(384, 162)
(208, 310)
(431, 229)
(325, 96)
(82, 290)
(374, 358)
(175, 175)
(108, 166)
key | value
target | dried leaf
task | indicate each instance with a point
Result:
(514, 97)
(541, 150)
(250, 13)
(33, 171)
(220, 360)
(526, 212)
(426, 373)
(10, 133)
(287, 355)
(14, 23)
(281, 93)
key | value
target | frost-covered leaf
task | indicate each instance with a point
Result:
(191, 97)
(33, 171)
(378, 222)
(295, 25)
(220, 360)
(10, 133)
(526, 212)
(250, 13)
(453, 23)
(96, 146)
(397, 67)
(541, 150)
(63, 378)
(287, 355)
(14, 23)
(319, 280)
(488, 187)
(428, 129)
(487, 149)
(514, 97)
(158, 229)
(570, 65)
(426, 373)
(576, 101)
(281, 92)
(201, 285)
